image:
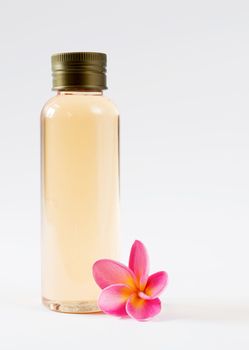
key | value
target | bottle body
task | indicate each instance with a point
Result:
(80, 196)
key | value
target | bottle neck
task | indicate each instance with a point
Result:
(81, 92)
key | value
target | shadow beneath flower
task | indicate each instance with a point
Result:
(204, 311)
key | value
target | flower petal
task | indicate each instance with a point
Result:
(107, 272)
(112, 299)
(142, 309)
(156, 283)
(139, 263)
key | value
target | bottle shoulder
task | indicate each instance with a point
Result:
(79, 104)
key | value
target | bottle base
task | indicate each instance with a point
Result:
(71, 307)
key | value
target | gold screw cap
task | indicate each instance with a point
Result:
(79, 71)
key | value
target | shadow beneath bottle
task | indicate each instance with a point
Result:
(204, 311)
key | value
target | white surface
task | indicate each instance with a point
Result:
(179, 72)
(182, 325)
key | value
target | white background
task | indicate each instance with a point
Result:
(179, 73)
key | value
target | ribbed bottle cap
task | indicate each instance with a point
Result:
(79, 70)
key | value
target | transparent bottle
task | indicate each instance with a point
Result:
(79, 180)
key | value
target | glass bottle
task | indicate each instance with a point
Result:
(79, 182)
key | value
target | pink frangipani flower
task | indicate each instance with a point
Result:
(129, 290)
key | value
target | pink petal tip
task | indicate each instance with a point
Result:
(107, 272)
(139, 263)
(156, 283)
(112, 299)
(141, 309)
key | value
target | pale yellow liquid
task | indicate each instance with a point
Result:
(80, 195)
